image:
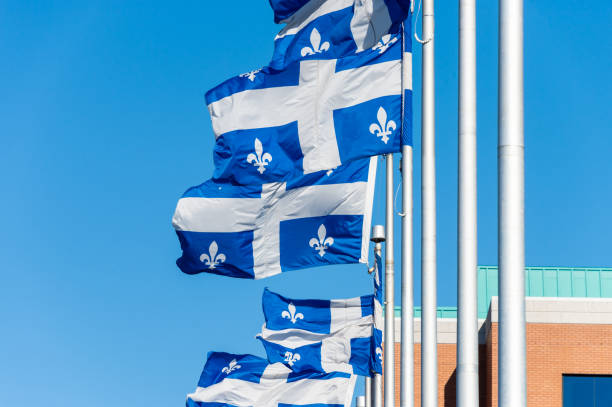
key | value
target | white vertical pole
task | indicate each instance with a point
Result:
(467, 250)
(389, 351)
(407, 335)
(511, 207)
(377, 390)
(360, 401)
(407, 315)
(429, 360)
(368, 391)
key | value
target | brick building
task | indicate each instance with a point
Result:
(569, 339)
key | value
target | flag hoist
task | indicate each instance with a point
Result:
(292, 188)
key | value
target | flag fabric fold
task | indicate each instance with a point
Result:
(322, 335)
(249, 381)
(257, 231)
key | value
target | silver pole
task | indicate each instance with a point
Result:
(407, 341)
(467, 250)
(389, 351)
(429, 360)
(360, 401)
(377, 236)
(377, 390)
(511, 208)
(368, 391)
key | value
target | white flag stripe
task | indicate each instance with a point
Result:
(378, 319)
(269, 393)
(277, 106)
(294, 338)
(309, 12)
(276, 204)
(259, 108)
(408, 71)
(344, 312)
(336, 355)
(367, 216)
(216, 214)
(370, 22)
(306, 202)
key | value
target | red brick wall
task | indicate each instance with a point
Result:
(447, 362)
(552, 350)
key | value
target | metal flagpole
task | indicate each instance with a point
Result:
(429, 360)
(368, 391)
(511, 207)
(407, 321)
(377, 390)
(377, 236)
(407, 335)
(389, 351)
(467, 295)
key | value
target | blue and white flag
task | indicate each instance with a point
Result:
(249, 381)
(275, 125)
(322, 335)
(332, 29)
(258, 231)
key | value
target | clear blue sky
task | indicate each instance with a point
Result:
(103, 126)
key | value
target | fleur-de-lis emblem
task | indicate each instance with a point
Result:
(233, 365)
(259, 159)
(383, 128)
(379, 353)
(384, 43)
(323, 242)
(250, 75)
(330, 171)
(291, 358)
(291, 315)
(212, 259)
(315, 42)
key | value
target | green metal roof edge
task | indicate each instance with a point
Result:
(556, 268)
(582, 282)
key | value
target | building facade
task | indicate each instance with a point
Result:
(569, 339)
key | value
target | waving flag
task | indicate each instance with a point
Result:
(322, 335)
(332, 29)
(312, 116)
(262, 230)
(245, 381)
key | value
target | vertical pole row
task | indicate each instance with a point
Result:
(429, 360)
(389, 351)
(467, 250)
(511, 208)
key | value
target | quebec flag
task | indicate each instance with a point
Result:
(313, 115)
(257, 231)
(249, 381)
(322, 335)
(332, 29)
